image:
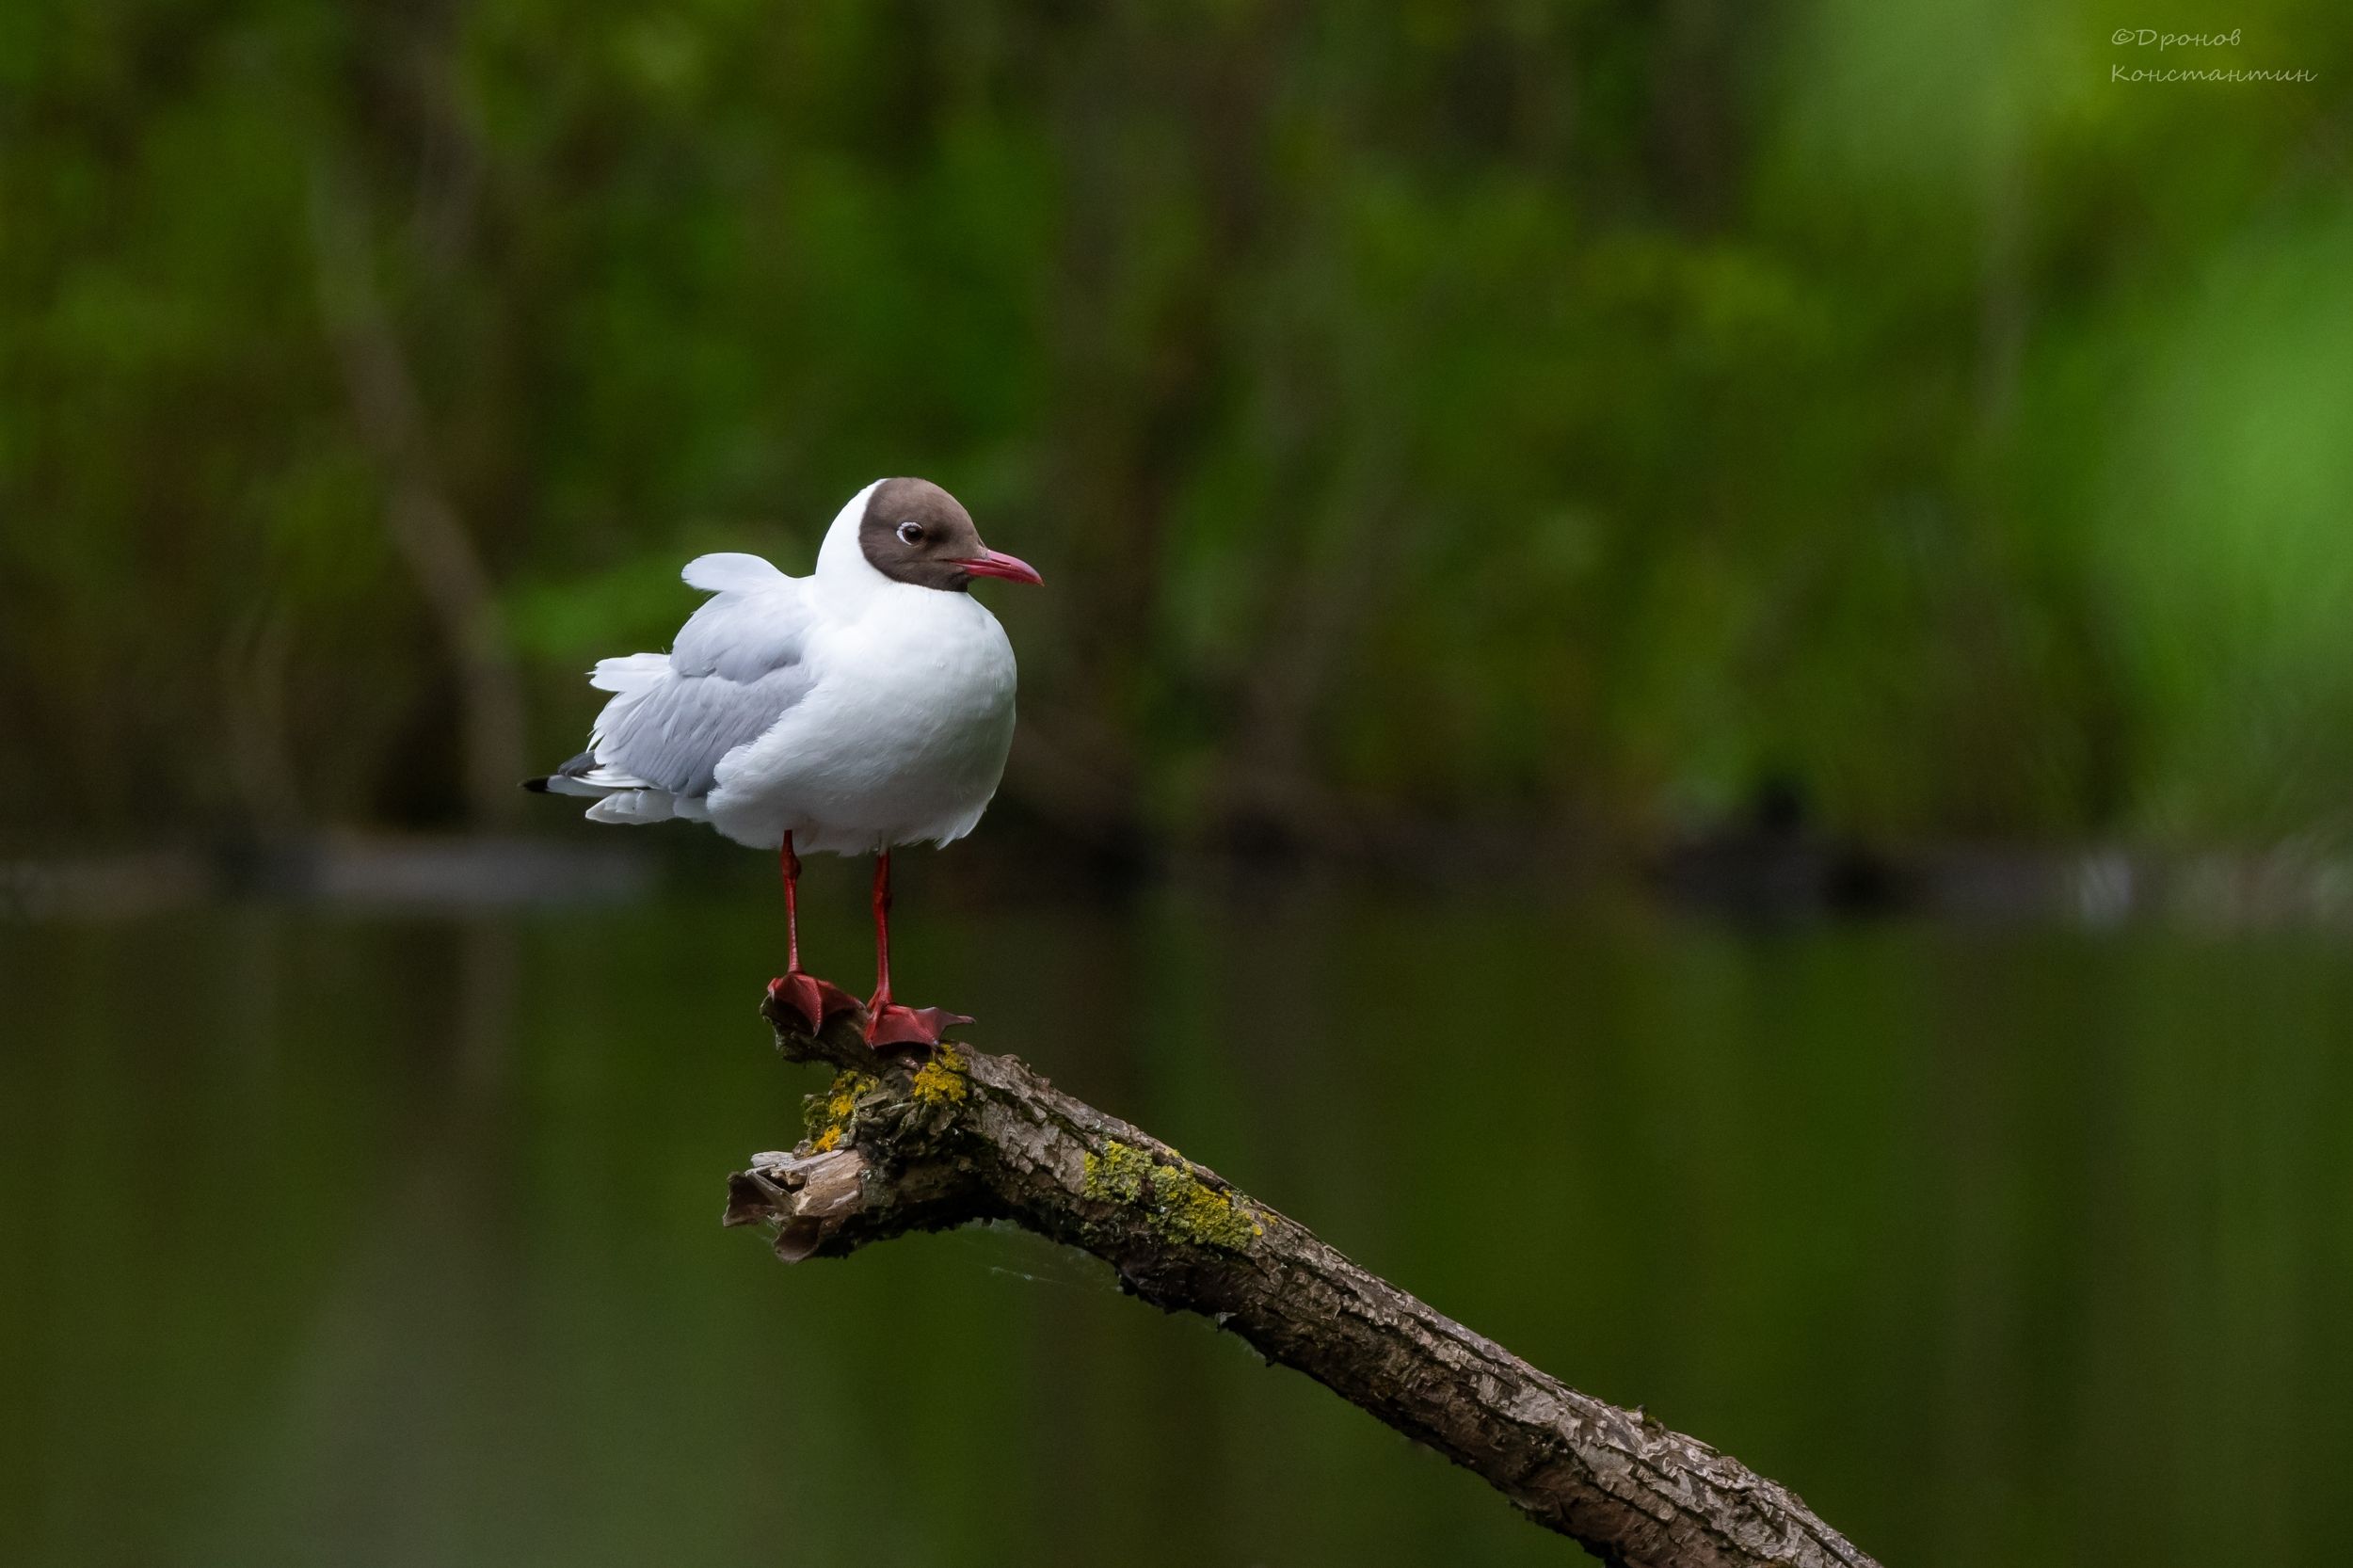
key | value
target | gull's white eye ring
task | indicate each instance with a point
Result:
(912, 533)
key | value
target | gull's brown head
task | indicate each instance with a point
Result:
(915, 532)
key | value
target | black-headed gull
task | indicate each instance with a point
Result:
(867, 705)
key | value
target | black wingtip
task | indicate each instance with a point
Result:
(573, 769)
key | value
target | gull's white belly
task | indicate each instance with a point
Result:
(902, 738)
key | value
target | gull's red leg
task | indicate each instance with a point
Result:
(789, 865)
(810, 999)
(882, 933)
(887, 1024)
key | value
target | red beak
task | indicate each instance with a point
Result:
(996, 563)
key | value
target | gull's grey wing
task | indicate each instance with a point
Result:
(738, 664)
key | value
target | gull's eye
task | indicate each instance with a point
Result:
(911, 532)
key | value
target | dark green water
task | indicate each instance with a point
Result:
(375, 1240)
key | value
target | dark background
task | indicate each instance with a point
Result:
(1550, 419)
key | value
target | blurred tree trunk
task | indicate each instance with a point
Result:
(254, 662)
(1147, 386)
(426, 530)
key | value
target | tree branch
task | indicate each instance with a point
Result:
(898, 1145)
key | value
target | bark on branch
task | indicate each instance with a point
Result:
(899, 1145)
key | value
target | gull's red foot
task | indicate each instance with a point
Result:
(810, 1001)
(890, 1026)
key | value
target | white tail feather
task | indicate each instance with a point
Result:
(605, 780)
(633, 807)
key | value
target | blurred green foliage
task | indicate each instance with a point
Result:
(1551, 415)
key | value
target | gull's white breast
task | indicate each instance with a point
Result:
(901, 736)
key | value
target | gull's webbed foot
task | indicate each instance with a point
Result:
(809, 1000)
(892, 1028)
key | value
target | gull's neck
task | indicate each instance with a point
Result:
(847, 577)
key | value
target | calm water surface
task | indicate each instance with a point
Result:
(365, 1241)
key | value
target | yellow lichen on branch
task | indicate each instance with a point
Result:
(941, 1081)
(828, 1115)
(1177, 1204)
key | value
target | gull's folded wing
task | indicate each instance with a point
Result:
(737, 666)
